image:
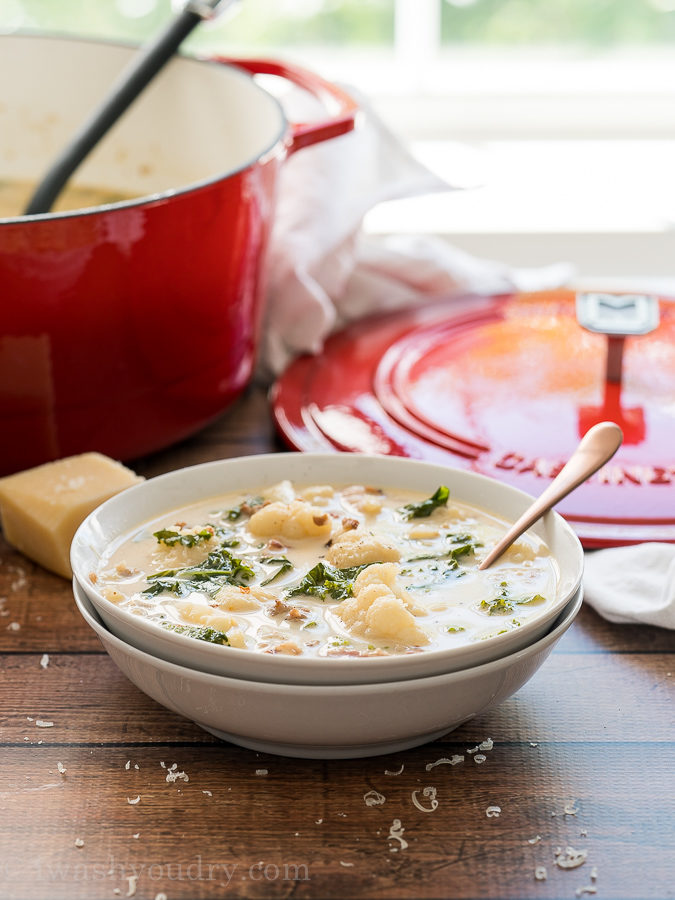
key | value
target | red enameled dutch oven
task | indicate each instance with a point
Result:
(127, 326)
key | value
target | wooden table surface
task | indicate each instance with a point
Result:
(582, 757)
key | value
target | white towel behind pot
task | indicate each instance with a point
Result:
(324, 271)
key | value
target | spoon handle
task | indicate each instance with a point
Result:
(597, 446)
(143, 68)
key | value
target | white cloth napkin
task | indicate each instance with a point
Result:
(633, 584)
(324, 271)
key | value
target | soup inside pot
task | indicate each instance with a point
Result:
(14, 197)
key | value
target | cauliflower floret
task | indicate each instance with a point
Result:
(423, 532)
(366, 500)
(386, 574)
(357, 548)
(318, 493)
(236, 639)
(379, 608)
(284, 492)
(194, 613)
(239, 599)
(291, 520)
(113, 595)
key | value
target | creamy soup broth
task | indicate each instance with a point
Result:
(14, 197)
(323, 571)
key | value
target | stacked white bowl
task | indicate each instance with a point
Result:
(310, 706)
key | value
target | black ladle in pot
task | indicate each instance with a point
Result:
(130, 84)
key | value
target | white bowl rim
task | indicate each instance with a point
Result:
(335, 665)
(562, 623)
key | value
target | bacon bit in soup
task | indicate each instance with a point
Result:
(278, 608)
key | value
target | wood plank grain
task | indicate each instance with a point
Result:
(573, 697)
(303, 829)
(244, 429)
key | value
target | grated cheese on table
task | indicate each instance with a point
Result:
(347, 865)
(134, 801)
(79, 842)
(540, 873)
(44, 660)
(430, 794)
(445, 762)
(61, 768)
(396, 831)
(479, 758)
(133, 881)
(570, 810)
(534, 840)
(594, 873)
(43, 724)
(493, 812)
(373, 798)
(571, 859)
(13, 626)
(387, 772)
(172, 775)
(589, 889)
(261, 772)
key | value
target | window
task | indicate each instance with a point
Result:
(559, 115)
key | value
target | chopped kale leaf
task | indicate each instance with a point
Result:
(425, 508)
(325, 581)
(200, 632)
(285, 565)
(504, 603)
(220, 567)
(187, 539)
(246, 508)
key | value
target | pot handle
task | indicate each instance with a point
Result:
(342, 107)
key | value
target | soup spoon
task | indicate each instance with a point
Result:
(596, 447)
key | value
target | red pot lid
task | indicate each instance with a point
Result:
(506, 386)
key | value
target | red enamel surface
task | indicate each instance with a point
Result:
(126, 329)
(506, 387)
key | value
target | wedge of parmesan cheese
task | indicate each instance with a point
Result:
(41, 508)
